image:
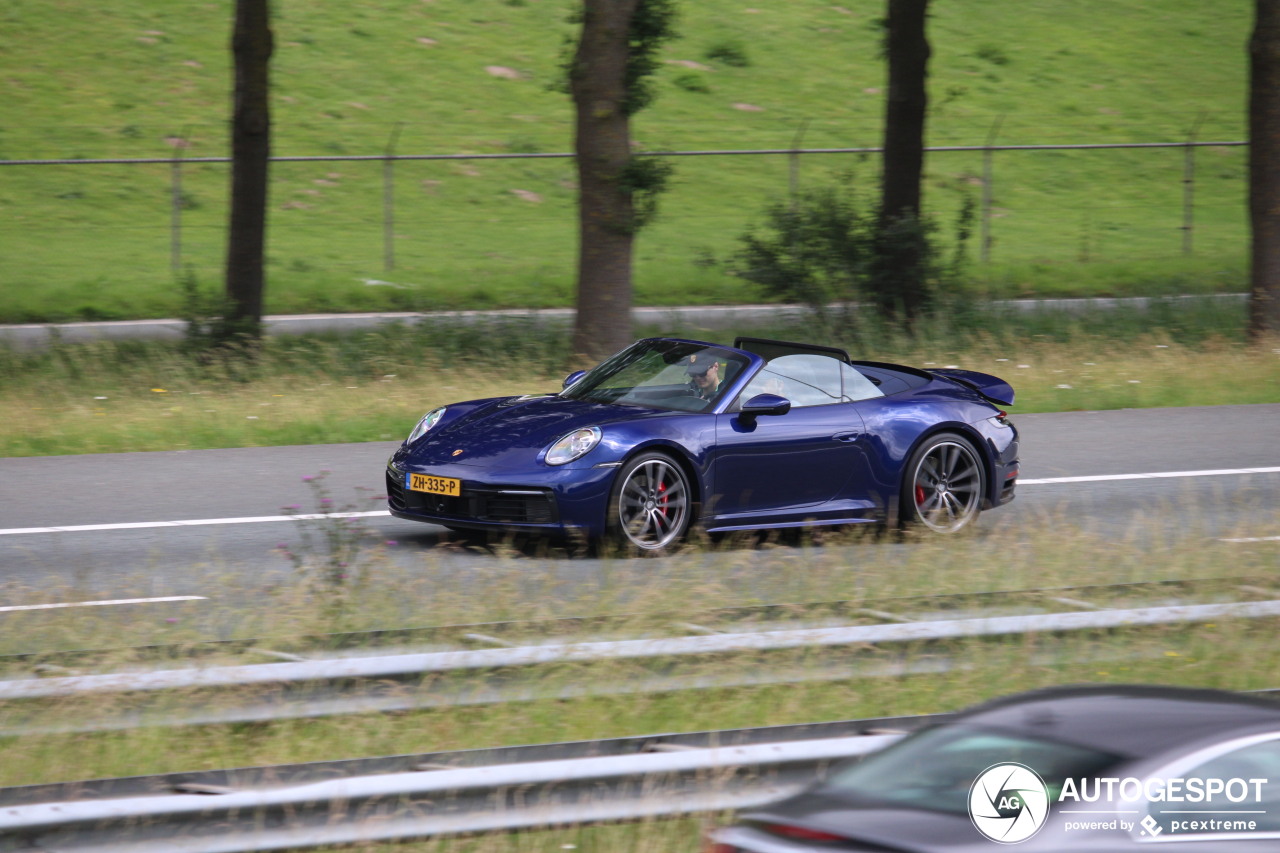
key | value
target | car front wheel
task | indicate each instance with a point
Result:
(943, 484)
(651, 505)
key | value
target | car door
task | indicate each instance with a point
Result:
(791, 467)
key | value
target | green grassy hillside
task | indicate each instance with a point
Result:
(136, 78)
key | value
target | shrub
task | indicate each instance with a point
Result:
(828, 249)
(814, 248)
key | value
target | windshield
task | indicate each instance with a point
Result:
(662, 374)
(935, 769)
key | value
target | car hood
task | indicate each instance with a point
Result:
(514, 429)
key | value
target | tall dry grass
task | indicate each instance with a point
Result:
(371, 386)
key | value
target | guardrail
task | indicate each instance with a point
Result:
(383, 682)
(400, 666)
(426, 803)
(910, 608)
(435, 794)
(476, 791)
(27, 336)
(439, 794)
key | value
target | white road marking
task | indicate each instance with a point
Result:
(200, 522)
(192, 522)
(15, 607)
(1102, 478)
(1247, 539)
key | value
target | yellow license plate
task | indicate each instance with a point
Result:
(433, 485)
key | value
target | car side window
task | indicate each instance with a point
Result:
(805, 379)
(1250, 762)
(857, 386)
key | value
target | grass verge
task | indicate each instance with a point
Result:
(152, 81)
(1228, 654)
(139, 396)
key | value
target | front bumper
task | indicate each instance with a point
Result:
(485, 504)
(551, 501)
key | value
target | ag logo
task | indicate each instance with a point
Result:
(1008, 803)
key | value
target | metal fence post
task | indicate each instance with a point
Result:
(794, 157)
(388, 200)
(1189, 185)
(175, 195)
(988, 170)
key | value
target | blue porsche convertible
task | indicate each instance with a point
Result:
(671, 433)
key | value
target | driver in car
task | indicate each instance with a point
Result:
(704, 376)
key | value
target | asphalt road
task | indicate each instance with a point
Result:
(101, 526)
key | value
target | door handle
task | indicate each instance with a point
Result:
(846, 436)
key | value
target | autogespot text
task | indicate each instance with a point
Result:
(1189, 790)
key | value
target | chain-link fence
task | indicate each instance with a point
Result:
(433, 230)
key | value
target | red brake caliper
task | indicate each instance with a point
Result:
(919, 495)
(662, 498)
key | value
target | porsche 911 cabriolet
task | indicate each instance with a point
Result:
(671, 433)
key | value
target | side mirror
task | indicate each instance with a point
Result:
(764, 404)
(573, 377)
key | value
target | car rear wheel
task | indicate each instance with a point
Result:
(943, 485)
(651, 504)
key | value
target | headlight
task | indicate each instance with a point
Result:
(429, 420)
(574, 445)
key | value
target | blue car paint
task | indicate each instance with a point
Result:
(992, 387)
(502, 442)
(838, 463)
(897, 425)
(775, 468)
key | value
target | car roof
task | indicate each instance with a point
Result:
(1126, 719)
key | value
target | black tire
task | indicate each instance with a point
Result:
(943, 484)
(651, 506)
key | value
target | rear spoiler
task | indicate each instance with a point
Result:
(993, 388)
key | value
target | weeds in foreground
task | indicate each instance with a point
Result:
(439, 585)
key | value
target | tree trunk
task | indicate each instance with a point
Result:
(900, 278)
(251, 45)
(908, 51)
(1264, 170)
(598, 84)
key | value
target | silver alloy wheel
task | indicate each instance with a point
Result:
(653, 503)
(946, 486)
